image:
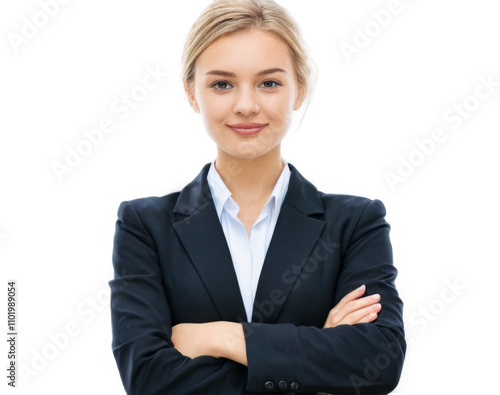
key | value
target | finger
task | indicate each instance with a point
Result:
(361, 303)
(358, 292)
(358, 316)
(353, 295)
(368, 318)
(355, 305)
(354, 316)
(372, 316)
(349, 304)
(336, 314)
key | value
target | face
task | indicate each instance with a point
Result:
(245, 90)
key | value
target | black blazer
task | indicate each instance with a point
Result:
(172, 265)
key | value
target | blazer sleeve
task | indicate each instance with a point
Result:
(141, 323)
(361, 358)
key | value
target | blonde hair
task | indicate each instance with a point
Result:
(223, 17)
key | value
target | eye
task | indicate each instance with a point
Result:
(269, 84)
(221, 85)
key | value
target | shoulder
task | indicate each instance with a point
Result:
(149, 214)
(151, 204)
(353, 216)
(350, 204)
(309, 200)
(188, 199)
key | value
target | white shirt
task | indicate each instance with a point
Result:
(247, 252)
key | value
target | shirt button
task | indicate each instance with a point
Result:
(258, 226)
(294, 385)
(269, 385)
(282, 385)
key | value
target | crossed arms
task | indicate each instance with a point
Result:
(359, 349)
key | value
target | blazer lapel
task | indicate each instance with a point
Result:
(295, 235)
(201, 234)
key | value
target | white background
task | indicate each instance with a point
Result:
(368, 110)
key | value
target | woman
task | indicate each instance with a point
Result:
(249, 279)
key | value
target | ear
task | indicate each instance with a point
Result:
(301, 94)
(190, 95)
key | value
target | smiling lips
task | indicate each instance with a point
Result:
(246, 128)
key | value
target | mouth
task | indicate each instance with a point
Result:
(246, 128)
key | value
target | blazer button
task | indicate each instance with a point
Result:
(294, 385)
(282, 385)
(269, 385)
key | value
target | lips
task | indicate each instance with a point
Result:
(247, 128)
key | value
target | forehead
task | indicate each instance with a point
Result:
(247, 51)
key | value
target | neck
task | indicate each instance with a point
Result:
(250, 179)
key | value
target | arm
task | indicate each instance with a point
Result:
(221, 339)
(362, 358)
(141, 323)
(224, 339)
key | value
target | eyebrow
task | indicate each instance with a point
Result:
(261, 73)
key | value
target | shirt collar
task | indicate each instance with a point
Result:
(221, 193)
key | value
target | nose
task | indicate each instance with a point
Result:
(246, 102)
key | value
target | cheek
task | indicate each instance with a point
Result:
(282, 111)
(215, 108)
(280, 122)
(283, 104)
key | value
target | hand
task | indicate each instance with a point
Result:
(353, 310)
(220, 339)
(191, 339)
